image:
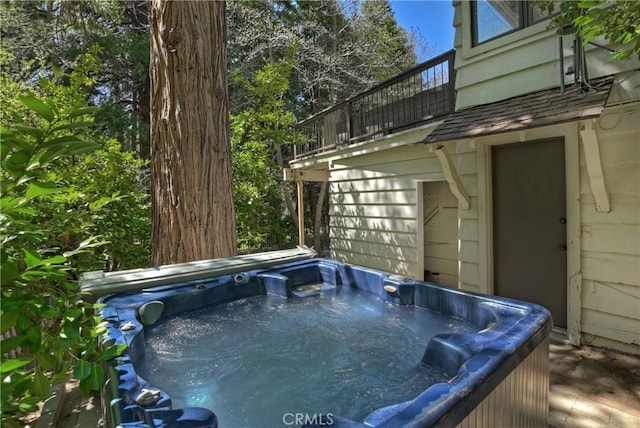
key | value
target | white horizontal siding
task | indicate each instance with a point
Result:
(611, 238)
(610, 326)
(373, 206)
(625, 209)
(443, 267)
(610, 297)
(528, 62)
(441, 237)
(469, 274)
(373, 209)
(379, 197)
(382, 224)
(469, 252)
(613, 268)
(395, 238)
(361, 183)
(625, 175)
(610, 255)
(393, 265)
(468, 230)
(377, 249)
(397, 211)
(468, 225)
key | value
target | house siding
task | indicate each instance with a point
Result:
(373, 209)
(375, 212)
(610, 253)
(519, 63)
(463, 156)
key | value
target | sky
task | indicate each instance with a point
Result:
(432, 18)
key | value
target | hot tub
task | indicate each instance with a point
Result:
(491, 362)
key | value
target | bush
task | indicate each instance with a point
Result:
(106, 197)
(47, 328)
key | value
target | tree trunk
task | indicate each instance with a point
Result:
(192, 196)
(144, 115)
(286, 192)
(138, 13)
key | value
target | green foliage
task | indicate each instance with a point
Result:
(106, 191)
(257, 134)
(106, 197)
(342, 47)
(51, 38)
(70, 198)
(52, 330)
(70, 86)
(617, 21)
(394, 53)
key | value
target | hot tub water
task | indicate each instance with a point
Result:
(255, 360)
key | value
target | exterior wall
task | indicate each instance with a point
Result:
(603, 257)
(610, 253)
(518, 63)
(375, 208)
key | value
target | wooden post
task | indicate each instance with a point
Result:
(452, 177)
(594, 166)
(300, 214)
(300, 176)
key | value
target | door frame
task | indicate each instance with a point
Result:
(485, 215)
(419, 273)
(420, 233)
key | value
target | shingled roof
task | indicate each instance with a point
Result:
(528, 111)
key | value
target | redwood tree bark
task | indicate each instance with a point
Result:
(192, 196)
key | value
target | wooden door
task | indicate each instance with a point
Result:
(529, 224)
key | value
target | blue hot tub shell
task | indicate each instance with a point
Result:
(512, 340)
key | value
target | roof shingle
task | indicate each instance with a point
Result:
(532, 110)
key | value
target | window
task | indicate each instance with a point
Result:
(495, 18)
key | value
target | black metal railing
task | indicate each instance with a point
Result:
(404, 101)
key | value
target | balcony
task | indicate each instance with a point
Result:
(412, 98)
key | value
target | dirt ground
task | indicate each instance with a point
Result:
(609, 377)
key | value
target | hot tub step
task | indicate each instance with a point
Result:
(311, 289)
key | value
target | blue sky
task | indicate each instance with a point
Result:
(432, 18)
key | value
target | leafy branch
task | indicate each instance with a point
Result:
(47, 328)
(617, 21)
